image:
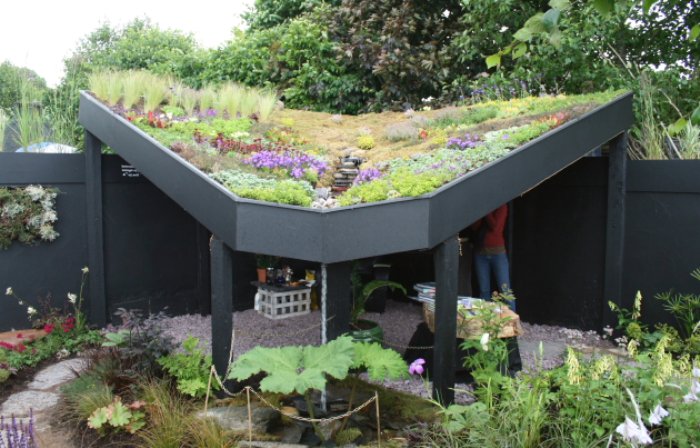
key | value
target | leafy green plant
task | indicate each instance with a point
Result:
(685, 308)
(688, 144)
(360, 299)
(118, 416)
(302, 369)
(191, 369)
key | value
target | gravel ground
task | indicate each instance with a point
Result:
(399, 321)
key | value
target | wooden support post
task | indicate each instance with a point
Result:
(446, 258)
(97, 298)
(339, 298)
(221, 304)
(615, 230)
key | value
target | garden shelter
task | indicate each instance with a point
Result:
(336, 237)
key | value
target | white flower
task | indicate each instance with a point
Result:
(9, 291)
(657, 415)
(47, 232)
(690, 397)
(35, 192)
(72, 298)
(485, 341)
(503, 29)
(31, 311)
(633, 433)
(85, 270)
(696, 372)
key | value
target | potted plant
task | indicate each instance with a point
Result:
(363, 330)
(263, 263)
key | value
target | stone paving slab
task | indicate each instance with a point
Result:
(57, 374)
(20, 403)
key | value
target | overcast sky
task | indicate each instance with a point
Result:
(40, 34)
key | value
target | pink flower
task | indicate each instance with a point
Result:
(416, 367)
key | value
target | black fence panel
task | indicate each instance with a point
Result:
(558, 245)
(662, 242)
(46, 271)
(156, 255)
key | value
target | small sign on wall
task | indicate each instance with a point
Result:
(129, 171)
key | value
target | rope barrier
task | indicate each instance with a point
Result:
(247, 390)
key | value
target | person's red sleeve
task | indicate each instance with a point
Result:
(496, 220)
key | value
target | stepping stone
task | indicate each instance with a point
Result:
(20, 403)
(57, 374)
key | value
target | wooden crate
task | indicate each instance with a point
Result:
(471, 327)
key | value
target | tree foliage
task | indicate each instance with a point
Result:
(270, 13)
(397, 47)
(11, 78)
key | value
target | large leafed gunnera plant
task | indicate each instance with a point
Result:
(301, 369)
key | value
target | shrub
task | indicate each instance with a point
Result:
(138, 344)
(365, 141)
(27, 215)
(191, 369)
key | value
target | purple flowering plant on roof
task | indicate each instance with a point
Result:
(367, 175)
(297, 164)
(466, 142)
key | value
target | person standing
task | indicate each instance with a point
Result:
(490, 253)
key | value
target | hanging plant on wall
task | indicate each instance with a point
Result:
(27, 215)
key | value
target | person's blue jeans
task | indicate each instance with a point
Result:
(498, 264)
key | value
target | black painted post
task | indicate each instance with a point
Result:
(446, 257)
(221, 304)
(203, 270)
(97, 298)
(338, 298)
(615, 230)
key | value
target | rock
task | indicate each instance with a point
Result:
(20, 403)
(58, 374)
(235, 418)
(349, 151)
(292, 433)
